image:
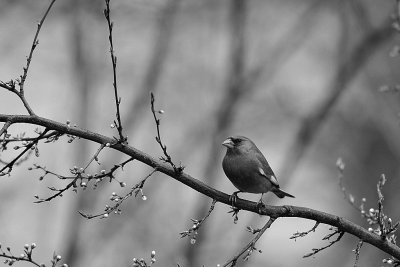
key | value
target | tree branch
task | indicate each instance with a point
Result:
(331, 243)
(342, 224)
(29, 58)
(250, 246)
(11, 85)
(110, 25)
(9, 166)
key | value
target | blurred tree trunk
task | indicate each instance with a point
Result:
(164, 34)
(82, 76)
(225, 113)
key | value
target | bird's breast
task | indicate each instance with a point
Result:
(244, 174)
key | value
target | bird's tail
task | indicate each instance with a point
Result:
(280, 193)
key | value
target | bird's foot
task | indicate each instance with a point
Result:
(260, 205)
(233, 198)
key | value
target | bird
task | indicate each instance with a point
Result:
(248, 170)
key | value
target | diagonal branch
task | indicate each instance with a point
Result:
(342, 224)
(250, 246)
(193, 231)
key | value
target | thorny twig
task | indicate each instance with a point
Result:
(24, 141)
(4, 129)
(26, 256)
(118, 123)
(79, 174)
(386, 228)
(34, 45)
(135, 190)
(357, 251)
(167, 157)
(302, 234)
(349, 197)
(59, 191)
(327, 237)
(11, 85)
(19, 161)
(95, 156)
(51, 137)
(249, 248)
(192, 232)
(380, 216)
(28, 147)
(142, 262)
(3, 143)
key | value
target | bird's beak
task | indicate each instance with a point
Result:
(228, 143)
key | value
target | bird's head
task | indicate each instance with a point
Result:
(238, 143)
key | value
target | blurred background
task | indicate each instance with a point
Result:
(302, 79)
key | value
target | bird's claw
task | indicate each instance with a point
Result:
(233, 199)
(260, 205)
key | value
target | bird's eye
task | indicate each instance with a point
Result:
(235, 141)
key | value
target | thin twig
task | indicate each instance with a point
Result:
(34, 45)
(386, 228)
(347, 196)
(4, 129)
(302, 234)
(250, 246)
(59, 191)
(380, 218)
(110, 24)
(327, 237)
(192, 232)
(10, 258)
(167, 157)
(28, 147)
(95, 156)
(21, 83)
(50, 136)
(79, 175)
(120, 199)
(357, 251)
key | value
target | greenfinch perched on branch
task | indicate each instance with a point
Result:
(248, 170)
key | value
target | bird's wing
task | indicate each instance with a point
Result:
(264, 169)
(271, 178)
